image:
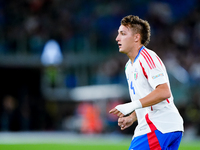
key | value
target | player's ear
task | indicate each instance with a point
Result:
(137, 37)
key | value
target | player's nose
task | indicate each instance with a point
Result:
(117, 38)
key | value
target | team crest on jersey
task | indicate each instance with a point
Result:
(135, 74)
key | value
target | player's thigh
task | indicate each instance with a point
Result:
(169, 141)
(156, 140)
(140, 143)
(176, 140)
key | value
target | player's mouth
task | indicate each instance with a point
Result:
(120, 45)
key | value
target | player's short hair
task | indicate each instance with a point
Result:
(139, 26)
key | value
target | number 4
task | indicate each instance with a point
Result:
(132, 87)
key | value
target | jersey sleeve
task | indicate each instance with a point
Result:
(154, 68)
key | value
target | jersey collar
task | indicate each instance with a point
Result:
(138, 53)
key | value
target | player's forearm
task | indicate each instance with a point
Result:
(162, 92)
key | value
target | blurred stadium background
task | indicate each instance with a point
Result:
(61, 70)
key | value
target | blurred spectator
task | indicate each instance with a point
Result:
(87, 119)
(10, 118)
(91, 122)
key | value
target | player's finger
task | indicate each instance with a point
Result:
(118, 114)
(121, 115)
(121, 120)
(122, 123)
(114, 110)
(123, 127)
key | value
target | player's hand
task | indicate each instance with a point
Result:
(116, 112)
(125, 122)
(126, 108)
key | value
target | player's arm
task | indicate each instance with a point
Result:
(161, 92)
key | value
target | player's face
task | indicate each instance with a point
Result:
(125, 39)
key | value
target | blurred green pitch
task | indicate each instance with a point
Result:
(82, 146)
(74, 141)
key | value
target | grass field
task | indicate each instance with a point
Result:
(184, 146)
(63, 141)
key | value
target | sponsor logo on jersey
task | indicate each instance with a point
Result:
(156, 76)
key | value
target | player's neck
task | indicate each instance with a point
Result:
(134, 52)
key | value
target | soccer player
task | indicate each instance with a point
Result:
(160, 125)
